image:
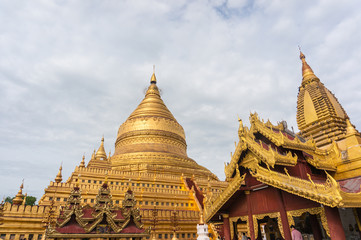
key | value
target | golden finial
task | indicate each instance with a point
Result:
(307, 72)
(100, 154)
(59, 177)
(201, 220)
(19, 197)
(153, 79)
(82, 163)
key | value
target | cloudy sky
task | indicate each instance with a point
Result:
(71, 71)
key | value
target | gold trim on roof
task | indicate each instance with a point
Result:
(213, 206)
(327, 193)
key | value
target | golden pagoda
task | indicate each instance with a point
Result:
(322, 119)
(150, 158)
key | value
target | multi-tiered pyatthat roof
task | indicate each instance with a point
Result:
(151, 140)
(319, 114)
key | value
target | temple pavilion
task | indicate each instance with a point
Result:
(278, 178)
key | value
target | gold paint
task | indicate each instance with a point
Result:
(59, 177)
(314, 211)
(270, 215)
(243, 219)
(310, 112)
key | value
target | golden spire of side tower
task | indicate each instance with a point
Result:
(307, 72)
(319, 114)
(59, 177)
(19, 197)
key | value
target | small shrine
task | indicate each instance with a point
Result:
(103, 220)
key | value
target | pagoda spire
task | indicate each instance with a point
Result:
(100, 154)
(307, 72)
(82, 163)
(59, 177)
(153, 79)
(18, 200)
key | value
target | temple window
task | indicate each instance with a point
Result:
(167, 203)
(138, 184)
(186, 204)
(146, 202)
(12, 236)
(167, 186)
(2, 236)
(89, 181)
(100, 182)
(194, 235)
(172, 204)
(58, 199)
(160, 236)
(50, 198)
(92, 200)
(117, 183)
(166, 235)
(40, 236)
(148, 185)
(191, 204)
(157, 203)
(31, 236)
(132, 184)
(22, 236)
(85, 200)
(65, 199)
(143, 184)
(189, 235)
(177, 235)
(162, 203)
(111, 183)
(117, 201)
(182, 204)
(183, 235)
(162, 186)
(83, 181)
(95, 181)
(140, 202)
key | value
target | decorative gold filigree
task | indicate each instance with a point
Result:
(327, 193)
(270, 215)
(235, 219)
(314, 211)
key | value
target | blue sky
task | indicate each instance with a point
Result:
(71, 71)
